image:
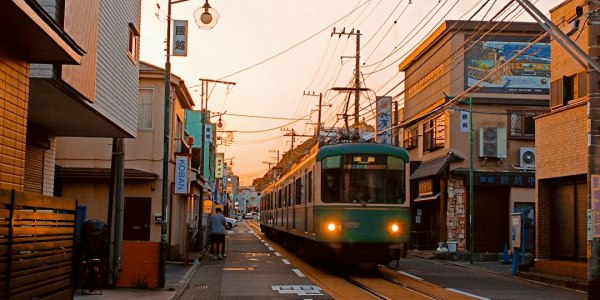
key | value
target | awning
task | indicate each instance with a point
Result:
(434, 167)
(427, 198)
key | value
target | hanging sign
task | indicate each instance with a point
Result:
(181, 174)
(384, 120)
(180, 29)
(219, 157)
(464, 121)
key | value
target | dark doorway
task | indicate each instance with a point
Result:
(136, 223)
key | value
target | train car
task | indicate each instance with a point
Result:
(345, 202)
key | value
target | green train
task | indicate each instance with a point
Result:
(345, 202)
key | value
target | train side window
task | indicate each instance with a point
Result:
(298, 191)
(310, 187)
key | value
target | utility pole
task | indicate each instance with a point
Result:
(269, 163)
(204, 109)
(312, 93)
(593, 132)
(275, 151)
(357, 88)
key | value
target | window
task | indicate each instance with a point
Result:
(522, 125)
(134, 44)
(568, 88)
(410, 138)
(434, 134)
(146, 108)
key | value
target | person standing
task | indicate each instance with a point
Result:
(217, 233)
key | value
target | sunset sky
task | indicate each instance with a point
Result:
(276, 50)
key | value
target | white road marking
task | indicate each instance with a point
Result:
(300, 290)
(298, 272)
(277, 253)
(468, 294)
(271, 248)
(285, 261)
(410, 275)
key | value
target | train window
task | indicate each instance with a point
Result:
(331, 162)
(395, 163)
(298, 191)
(365, 178)
(310, 185)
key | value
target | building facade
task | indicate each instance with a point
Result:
(562, 190)
(468, 95)
(85, 175)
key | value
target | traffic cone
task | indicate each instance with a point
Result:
(505, 258)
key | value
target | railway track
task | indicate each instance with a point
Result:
(383, 284)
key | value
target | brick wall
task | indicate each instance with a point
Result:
(561, 142)
(14, 93)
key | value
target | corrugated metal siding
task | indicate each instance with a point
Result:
(117, 78)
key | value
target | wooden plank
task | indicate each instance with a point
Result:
(40, 261)
(28, 239)
(4, 213)
(36, 254)
(42, 268)
(41, 288)
(30, 279)
(17, 231)
(43, 223)
(37, 246)
(25, 214)
(5, 196)
(43, 201)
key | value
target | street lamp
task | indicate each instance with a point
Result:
(207, 21)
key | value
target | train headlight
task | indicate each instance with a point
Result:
(331, 227)
(395, 228)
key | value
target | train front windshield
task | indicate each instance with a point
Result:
(363, 178)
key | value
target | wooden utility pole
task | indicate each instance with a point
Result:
(312, 93)
(357, 88)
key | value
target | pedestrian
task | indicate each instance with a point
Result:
(217, 233)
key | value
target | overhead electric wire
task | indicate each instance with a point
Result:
(293, 46)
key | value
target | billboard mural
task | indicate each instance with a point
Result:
(529, 73)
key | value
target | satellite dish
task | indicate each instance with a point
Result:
(206, 17)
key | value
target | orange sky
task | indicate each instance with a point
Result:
(288, 49)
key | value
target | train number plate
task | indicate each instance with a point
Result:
(352, 225)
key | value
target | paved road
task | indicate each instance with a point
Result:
(485, 285)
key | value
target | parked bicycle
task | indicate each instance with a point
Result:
(94, 243)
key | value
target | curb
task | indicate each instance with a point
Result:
(185, 281)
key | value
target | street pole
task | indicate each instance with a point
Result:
(471, 192)
(165, 165)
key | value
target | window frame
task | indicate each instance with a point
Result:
(410, 138)
(524, 115)
(150, 102)
(434, 134)
(133, 44)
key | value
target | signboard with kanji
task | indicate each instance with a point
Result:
(179, 38)
(384, 120)
(219, 157)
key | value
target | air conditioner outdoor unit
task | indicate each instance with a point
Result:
(492, 142)
(527, 157)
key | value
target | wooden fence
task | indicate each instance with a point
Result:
(37, 245)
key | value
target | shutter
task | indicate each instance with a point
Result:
(562, 228)
(556, 93)
(581, 217)
(582, 89)
(34, 169)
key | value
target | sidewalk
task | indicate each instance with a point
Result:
(506, 269)
(176, 276)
